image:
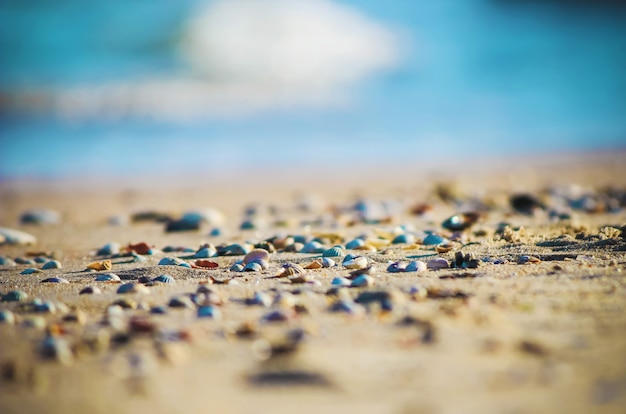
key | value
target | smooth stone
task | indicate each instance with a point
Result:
(52, 264)
(12, 236)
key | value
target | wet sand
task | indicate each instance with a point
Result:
(548, 336)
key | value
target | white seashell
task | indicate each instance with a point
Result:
(356, 262)
(256, 255)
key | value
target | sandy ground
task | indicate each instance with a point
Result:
(507, 338)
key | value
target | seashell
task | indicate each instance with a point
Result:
(40, 259)
(205, 264)
(525, 259)
(279, 315)
(237, 267)
(416, 266)
(30, 271)
(45, 307)
(233, 250)
(205, 253)
(284, 300)
(383, 298)
(340, 281)
(328, 262)
(345, 306)
(256, 255)
(55, 348)
(259, 298)
(40, 216)
(397, 267)
(158, 310)
(5, 261)
(313, 247)
(417, 292)
(109, 249)
(290, 269)
(405, 238)
(335, 251)
(315, 264)
(108, 277)
(15, 296)
(438, 263)
(11, 236)
(354, 244)
(180, 302)
(253, 267)
(208, 311)
(301, 278)
(525, 203)
(6, 317)
(173, 261)
(433, 240)
(20, 260)
(356, 262)
(55, 280)
(102, 265)
(164, 279)
(444, 248)
(52, 264)
(460, 222)
(90, 290)
(139, 248)
(362, 281)
(132, 288)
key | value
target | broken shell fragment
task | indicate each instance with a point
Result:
(101, 265)
(356, 262)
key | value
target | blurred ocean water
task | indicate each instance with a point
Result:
(117, 87)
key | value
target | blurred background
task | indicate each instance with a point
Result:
(107, 89)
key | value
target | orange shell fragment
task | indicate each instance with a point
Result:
(207, 264)
(103, 265)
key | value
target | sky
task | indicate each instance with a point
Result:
(108, 88)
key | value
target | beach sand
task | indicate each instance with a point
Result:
(545, 336)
